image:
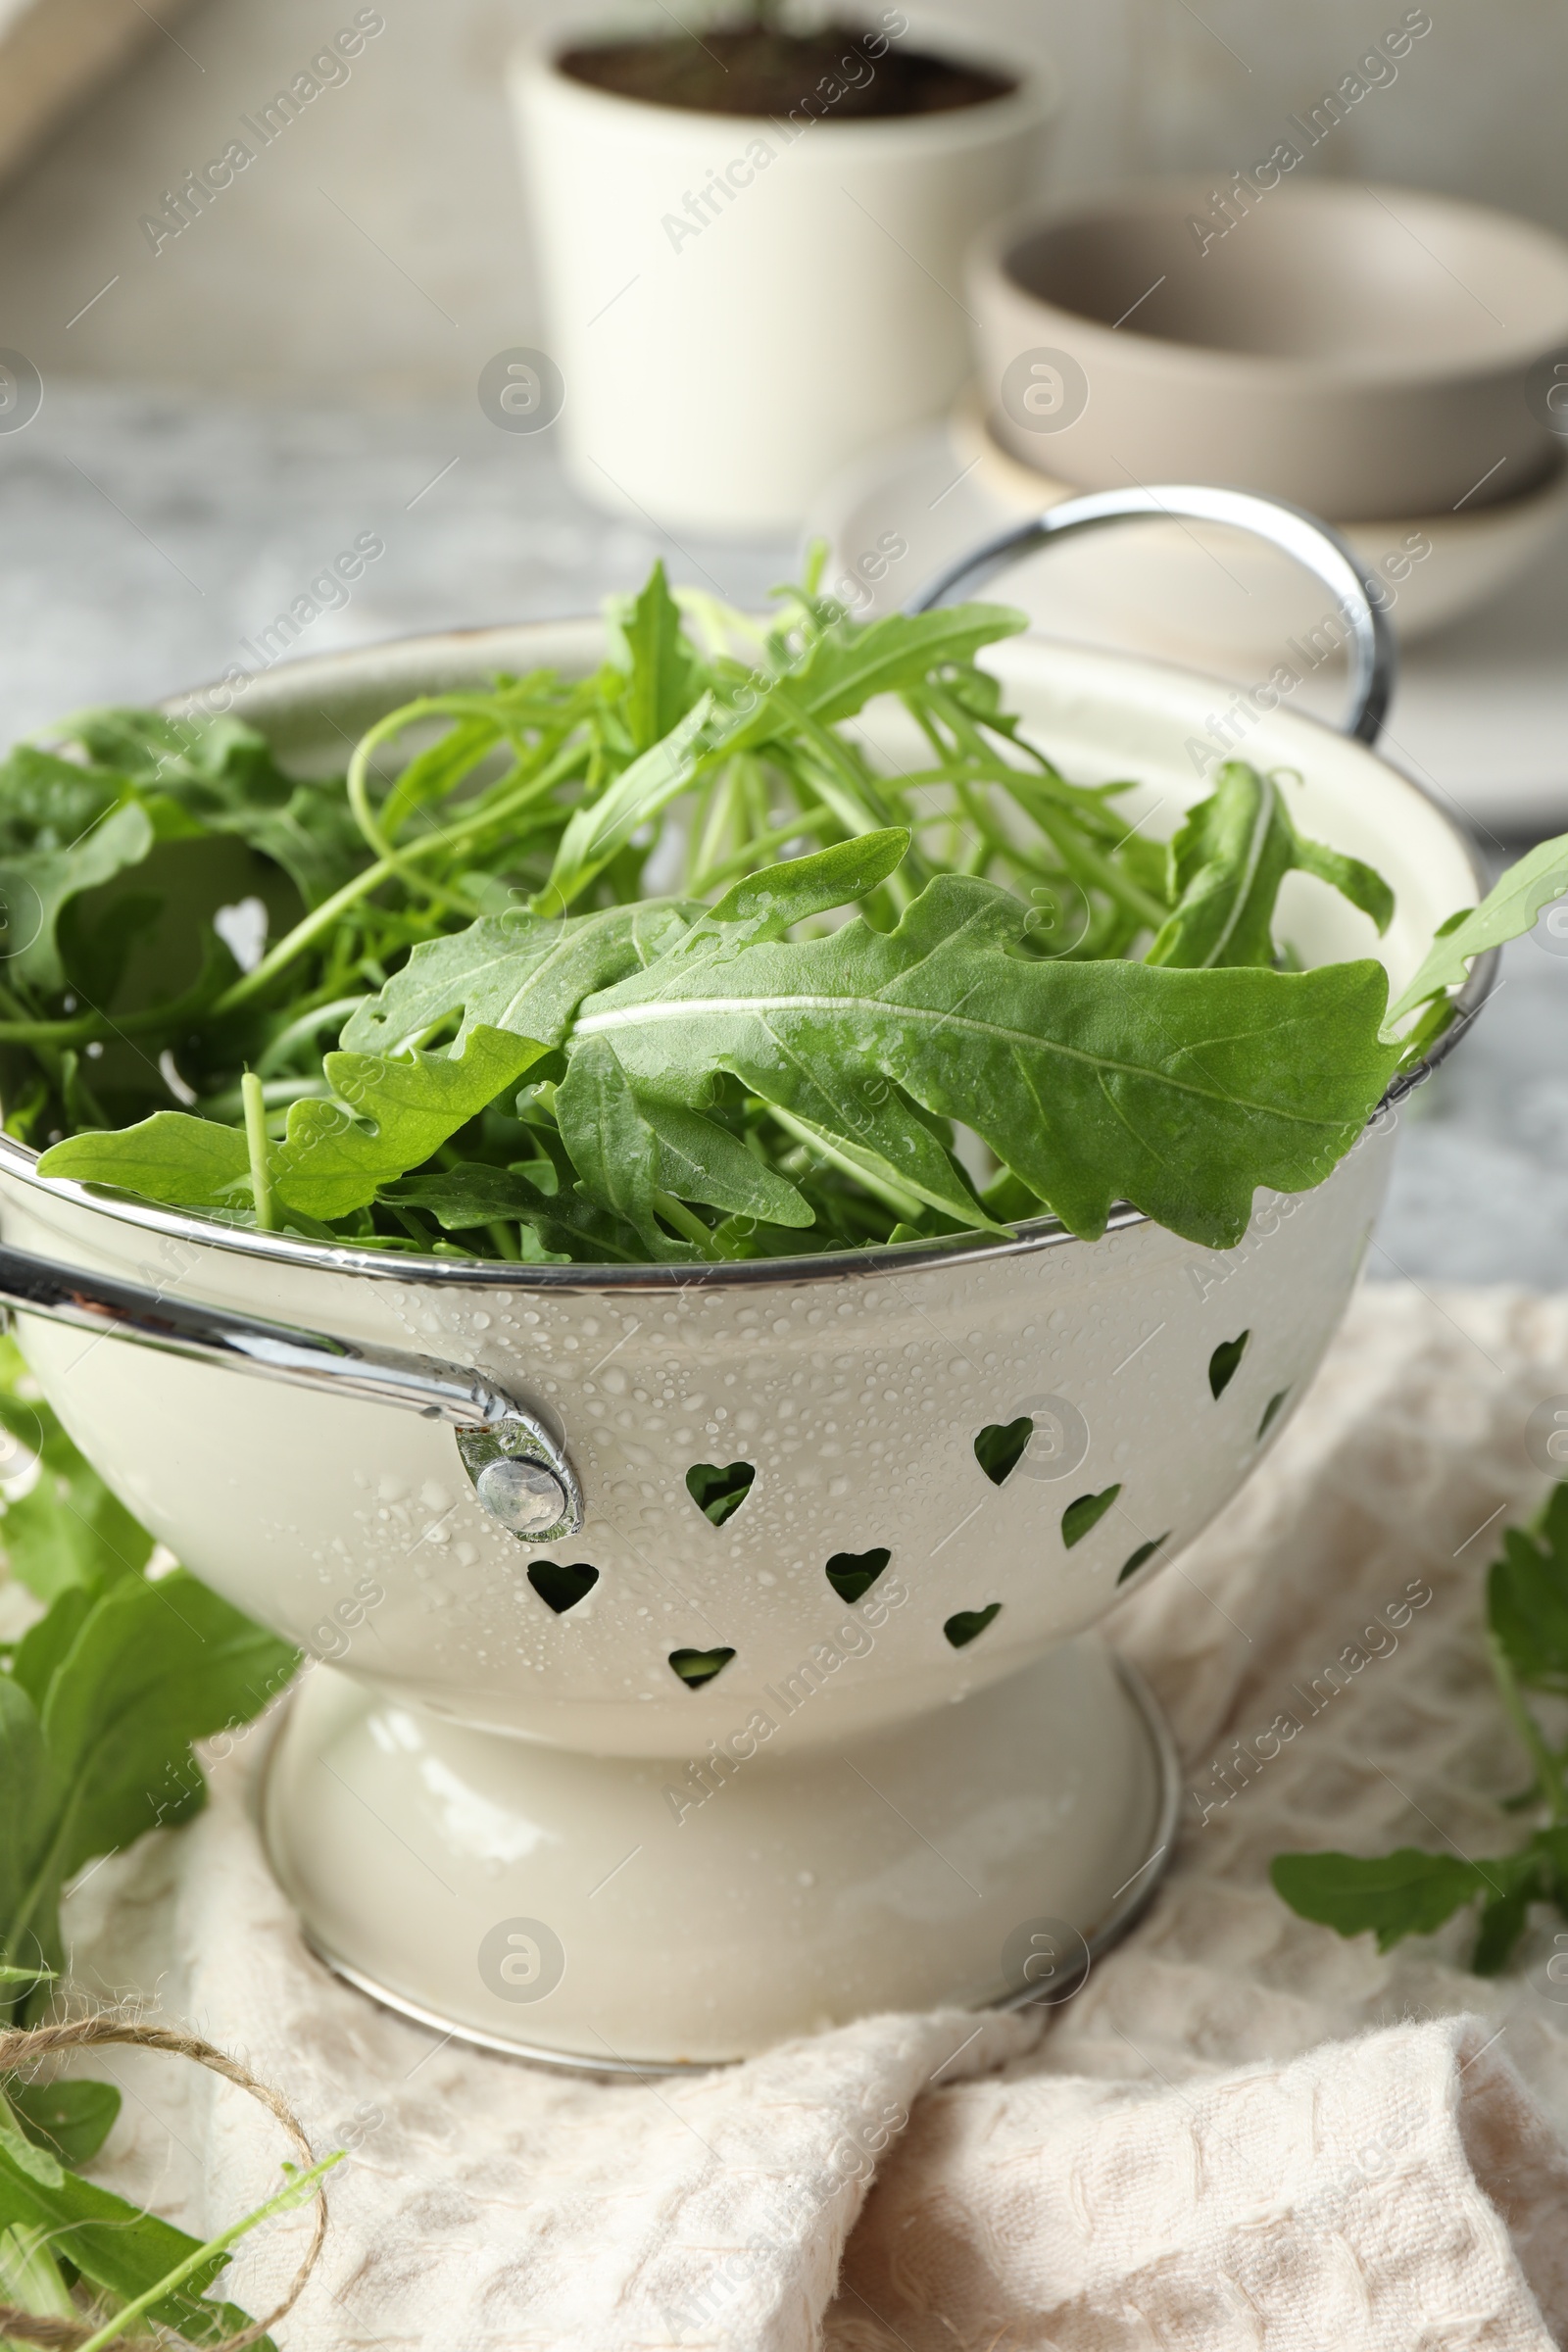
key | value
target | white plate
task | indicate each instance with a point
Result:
(1481, 715)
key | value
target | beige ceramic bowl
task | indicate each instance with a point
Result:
(1362, 352)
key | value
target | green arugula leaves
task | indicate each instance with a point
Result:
(1508, 910)
(101, 1702)
(1410, 1893)
(662, 963)
(1227, 862)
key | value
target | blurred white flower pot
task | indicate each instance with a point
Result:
(737, 305)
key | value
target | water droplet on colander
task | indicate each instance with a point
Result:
(524, 1495)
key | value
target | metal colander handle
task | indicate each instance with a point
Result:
(521, 1475)
(1374, 654)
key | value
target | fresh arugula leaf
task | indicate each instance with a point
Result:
(1407, 1892)
(68, 2120)
(184, 1161)
(403, 1107)
(1508, 910)
(601, 828)
(501, 962)
(104, 1697)
(35, 889)
(633, 1153)
(111, 2243)
(391, 1111)
(1361, 884)
(1227, 862)
(1181, 1092)
(849, 664)
(568, 1228)
(1527, 1598)
(664, 679)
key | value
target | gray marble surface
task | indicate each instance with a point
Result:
(144, 538)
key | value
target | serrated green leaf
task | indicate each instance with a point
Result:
(391, 1111)
(852, 663)
(399, 1109)
(1179, 1091)
(519, 971)
(1508, 910)
(1391, 1895)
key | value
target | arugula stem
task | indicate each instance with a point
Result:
(1548, 1765)
(690, 1228)
(302, 1029)
(31, 2280)
(903, 1204)
(359, 793)
(805, 820)
(331, 910)
(116, 2329)
(255, 1101)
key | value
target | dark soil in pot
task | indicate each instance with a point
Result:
(756, 70)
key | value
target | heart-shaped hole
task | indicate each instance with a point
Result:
(698, 1666)
(559, 1587)
(1223, 1364)
(1270, 1410)
(964, 1624)
(720, 1493)
(1145, 1551)
(852, 1572)
(1000, 1446)
(1086, 1512)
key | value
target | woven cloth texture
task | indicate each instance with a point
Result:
(1242, 2130)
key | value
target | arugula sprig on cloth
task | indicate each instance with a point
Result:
(1411, 1892)
(665, 963)
(102, 1700)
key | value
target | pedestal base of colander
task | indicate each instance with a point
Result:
(585, 1911)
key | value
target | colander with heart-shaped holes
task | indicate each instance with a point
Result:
(701, 1657)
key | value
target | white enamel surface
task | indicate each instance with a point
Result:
(858, 1397)
(795, 324)
(791, 1897)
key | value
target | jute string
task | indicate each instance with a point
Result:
(27, 2047)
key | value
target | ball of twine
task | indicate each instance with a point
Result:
(25, 2047)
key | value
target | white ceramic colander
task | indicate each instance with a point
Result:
(589, 1775)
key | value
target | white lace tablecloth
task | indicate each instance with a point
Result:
(1242, 2132)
